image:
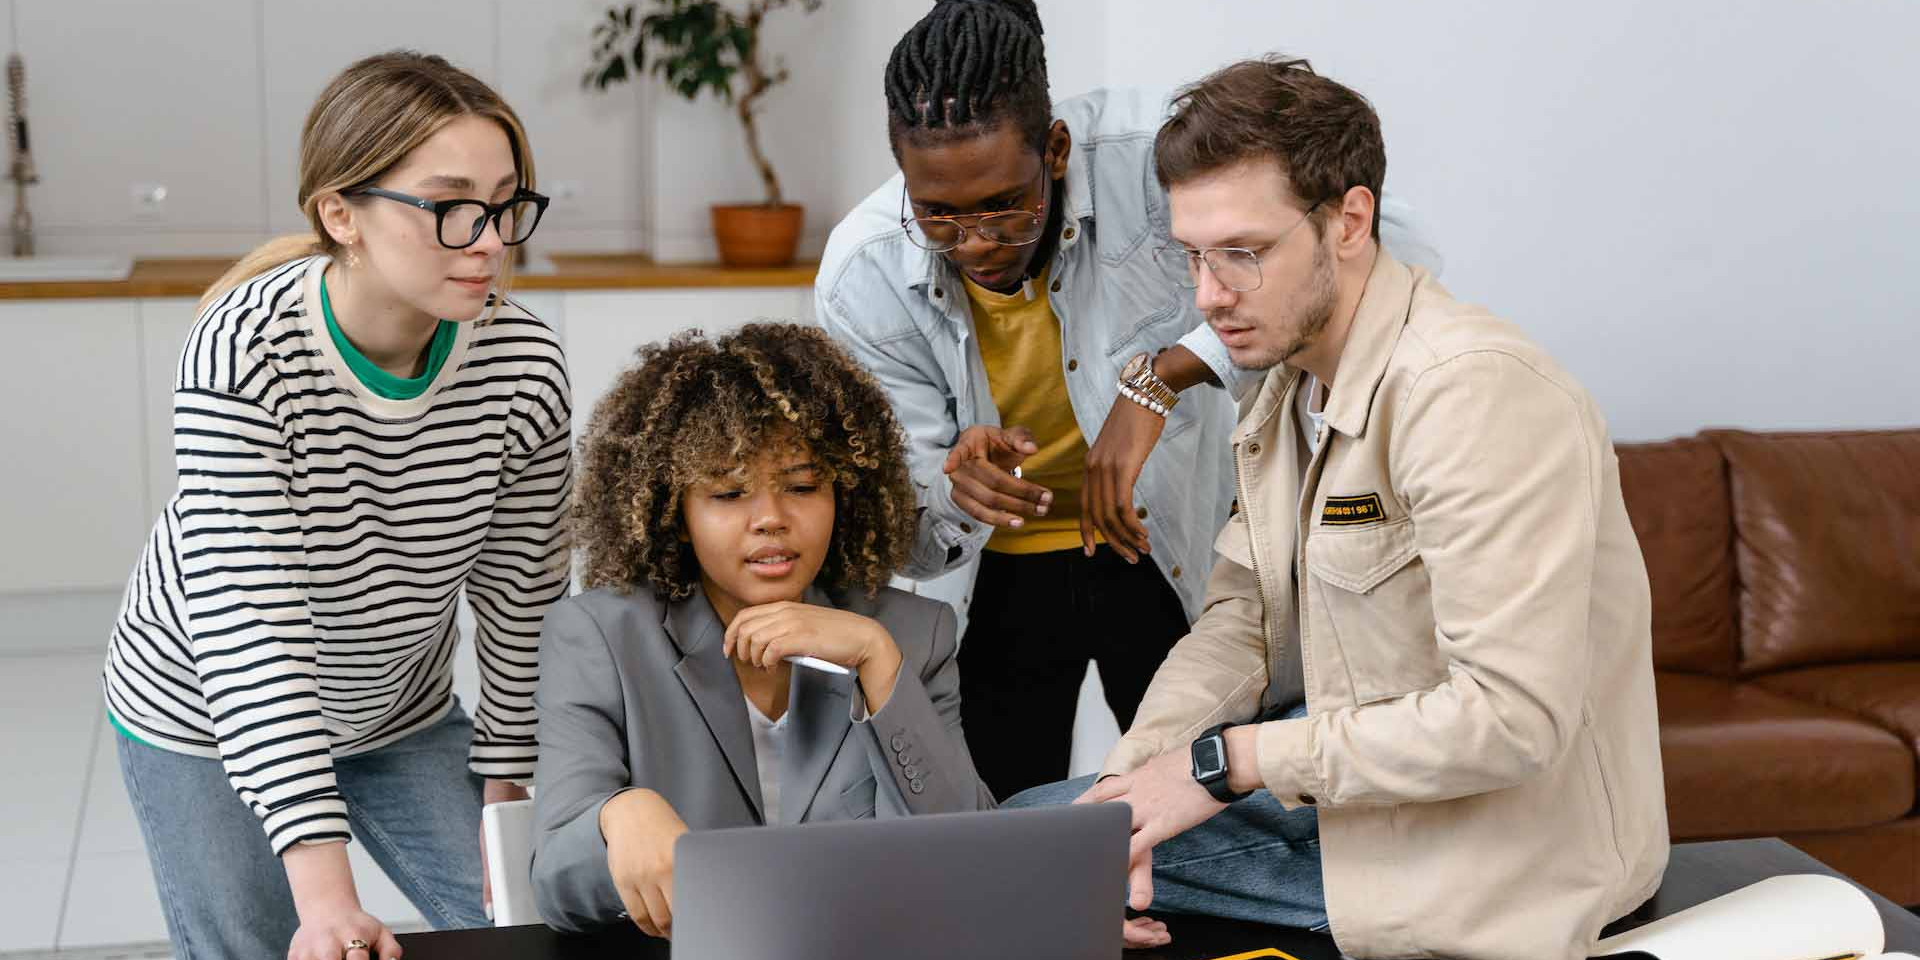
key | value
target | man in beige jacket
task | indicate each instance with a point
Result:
(1429, 551)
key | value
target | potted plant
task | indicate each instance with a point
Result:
(702, 45)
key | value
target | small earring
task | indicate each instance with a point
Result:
(353, 258)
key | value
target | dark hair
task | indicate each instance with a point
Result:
(694, 409)
(967, 66)
(1325, 136)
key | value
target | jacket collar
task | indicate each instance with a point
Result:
(819, 704)
(1377, 322)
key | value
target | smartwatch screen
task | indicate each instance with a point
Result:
(1207, 761)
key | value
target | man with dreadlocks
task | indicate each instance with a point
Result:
(1007, 291)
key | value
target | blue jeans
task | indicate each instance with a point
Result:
(413, 803)
(1256, 860)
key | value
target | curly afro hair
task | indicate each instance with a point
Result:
(697, 408)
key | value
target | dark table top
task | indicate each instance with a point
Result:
(1697, 872)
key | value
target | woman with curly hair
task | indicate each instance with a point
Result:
(738, 658)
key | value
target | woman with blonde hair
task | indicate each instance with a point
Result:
(365, 427)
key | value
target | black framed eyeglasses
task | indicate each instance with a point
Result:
(459, 223)
(1008, 228)
(1237, 268)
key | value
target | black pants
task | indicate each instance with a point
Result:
(1035, 621)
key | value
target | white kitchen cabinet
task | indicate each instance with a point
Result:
(164, 325)
(88, 426)
(73, 495)
(549, 305)
(604, 328)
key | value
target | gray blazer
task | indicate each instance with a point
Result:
(636, 693)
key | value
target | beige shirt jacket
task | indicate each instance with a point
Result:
(1472, 638)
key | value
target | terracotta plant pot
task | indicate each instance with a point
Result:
(757, 235)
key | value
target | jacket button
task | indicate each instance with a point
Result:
(1056, 286)
(1072, 365)
(966, 528)
(1068, 234)
(1140, 512)
(1176, 573)
(898, 743)
(917, 785)
(900, 753)
(937, 292)
(1253, 449)
(1306, 799)
(912, 772)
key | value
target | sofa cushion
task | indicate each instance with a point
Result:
(1827, 545)
(1886, 693)
(1744, 761)
(1676, 495)
(1885, 858)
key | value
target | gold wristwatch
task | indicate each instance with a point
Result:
(1138, 383)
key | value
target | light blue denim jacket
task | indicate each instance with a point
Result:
(904, 313)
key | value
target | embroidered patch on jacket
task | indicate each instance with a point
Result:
(1348, 511)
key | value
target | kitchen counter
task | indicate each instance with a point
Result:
(190, 277)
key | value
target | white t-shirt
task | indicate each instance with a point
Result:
(769, 746)
(1311, 409)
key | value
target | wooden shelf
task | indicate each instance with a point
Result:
(190, 277)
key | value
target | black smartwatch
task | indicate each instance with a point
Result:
(1210, 764)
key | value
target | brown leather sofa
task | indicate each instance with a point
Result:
(1786, 640)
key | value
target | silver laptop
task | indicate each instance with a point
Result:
(1048, 882)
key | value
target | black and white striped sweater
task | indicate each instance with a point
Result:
(295, 601)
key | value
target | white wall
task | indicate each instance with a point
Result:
(825, 131)
(207, 97)
(1705, 209)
